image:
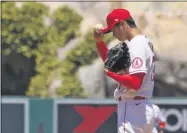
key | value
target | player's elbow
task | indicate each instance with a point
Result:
(132, 85)
(136, 86)
(137, 80)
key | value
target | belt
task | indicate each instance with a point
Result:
(140, 98)
(135, 98)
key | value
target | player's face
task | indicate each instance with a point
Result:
(119, 32)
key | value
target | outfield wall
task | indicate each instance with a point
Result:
(34, 115)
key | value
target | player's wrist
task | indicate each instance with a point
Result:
(99, 40)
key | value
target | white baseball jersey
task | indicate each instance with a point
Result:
(137, 116)
(142, 58)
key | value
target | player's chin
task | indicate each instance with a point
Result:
(121, 39)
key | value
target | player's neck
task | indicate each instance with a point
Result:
(132, 33)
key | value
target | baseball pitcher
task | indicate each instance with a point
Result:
(131, 64)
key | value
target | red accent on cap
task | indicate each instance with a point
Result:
(114, 17)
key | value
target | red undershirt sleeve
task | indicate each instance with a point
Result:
(133, 81)
(102, 50)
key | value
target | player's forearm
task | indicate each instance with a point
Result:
(130, 81)
(102, 50)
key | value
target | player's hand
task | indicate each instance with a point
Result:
(98, 36)
(106, 70)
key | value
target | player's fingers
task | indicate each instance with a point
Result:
(98, 28)
(98, 35)
(106, 70)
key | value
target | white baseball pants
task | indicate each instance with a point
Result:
(135, 116)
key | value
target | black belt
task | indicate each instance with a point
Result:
(135, 98)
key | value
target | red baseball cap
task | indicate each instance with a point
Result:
(114, 17)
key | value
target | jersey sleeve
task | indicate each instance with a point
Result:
(138, 60)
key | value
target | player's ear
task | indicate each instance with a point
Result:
(125, 24)
(122, 23)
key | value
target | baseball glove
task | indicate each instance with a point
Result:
(118, 58)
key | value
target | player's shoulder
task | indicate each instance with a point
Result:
(138, 41)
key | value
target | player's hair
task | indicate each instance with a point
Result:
(130, 21)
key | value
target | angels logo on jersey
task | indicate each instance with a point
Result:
(137, 62)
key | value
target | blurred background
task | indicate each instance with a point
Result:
(48, 48)
(48, 51)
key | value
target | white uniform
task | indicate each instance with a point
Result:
(159, 118)
(137, 116)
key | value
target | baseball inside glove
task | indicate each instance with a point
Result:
(118, 58)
